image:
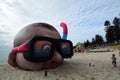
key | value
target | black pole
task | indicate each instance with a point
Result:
(45, 73)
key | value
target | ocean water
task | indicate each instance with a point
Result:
(4, 55)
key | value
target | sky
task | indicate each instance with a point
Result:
(84, 18)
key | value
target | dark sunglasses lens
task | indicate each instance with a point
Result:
(38, 55)
(66, 52)
(41, 53)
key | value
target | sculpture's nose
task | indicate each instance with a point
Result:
(55, 61)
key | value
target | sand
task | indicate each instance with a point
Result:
(77, 68)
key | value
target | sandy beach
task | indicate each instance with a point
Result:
(77, 68)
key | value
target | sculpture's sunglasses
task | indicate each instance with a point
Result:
(40, 49)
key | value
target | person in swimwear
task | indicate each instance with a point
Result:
(114, 63)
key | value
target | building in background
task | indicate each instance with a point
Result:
(78, 48)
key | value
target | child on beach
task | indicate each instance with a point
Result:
(114, 63)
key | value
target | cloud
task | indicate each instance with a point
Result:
(84, 18)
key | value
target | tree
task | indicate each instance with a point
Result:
(107, 23)
(87, 43)
(93, 41)
(113, 31)
(98, 39)
(110, 35)
(116, 23)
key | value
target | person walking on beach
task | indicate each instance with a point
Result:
(114, 63)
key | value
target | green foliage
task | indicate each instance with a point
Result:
(97, 40)
(87, 43)
(113, 31)
(110, 34)
(93, 41)
(107, 23)
(116, 21)
(114, 46)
